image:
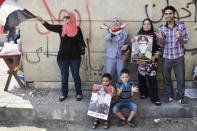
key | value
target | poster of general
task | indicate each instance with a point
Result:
(141, 49)
(100, 101)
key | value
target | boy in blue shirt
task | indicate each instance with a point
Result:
(125, 90)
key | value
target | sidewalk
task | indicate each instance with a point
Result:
(30, 105)
(144, 125)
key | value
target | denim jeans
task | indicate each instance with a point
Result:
(64, 69)
(124, 104)
(179, 70)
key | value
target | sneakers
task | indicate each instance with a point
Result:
(62, 98)
(169, 99)
(79, 97)
(121, 123)
(181, 102)
(132, 123)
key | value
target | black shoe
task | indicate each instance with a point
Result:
(157, 103)
(132, 123)
(143, 96)
(62, 98)
(79, 97)
(121, 123)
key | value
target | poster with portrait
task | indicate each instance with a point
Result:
(100, 101)
(142, 49)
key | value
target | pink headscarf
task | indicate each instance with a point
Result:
(70, 29)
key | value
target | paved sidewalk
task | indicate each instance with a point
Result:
(29, 109)
(143, 125)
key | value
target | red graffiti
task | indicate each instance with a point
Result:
(90, 23)
(60, 16)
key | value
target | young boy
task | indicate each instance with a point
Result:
(125, 90)
(104, 88)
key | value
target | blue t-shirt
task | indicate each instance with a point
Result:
(126, 90)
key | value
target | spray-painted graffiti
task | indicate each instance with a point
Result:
(86, 59)
(185, 9)
(39, 50)
(194, 2)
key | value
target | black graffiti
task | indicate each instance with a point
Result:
(86, 59)
(195, 5)
(185, 9)
(157, 21)
(47, 51)
(37, 53)
(89, 58)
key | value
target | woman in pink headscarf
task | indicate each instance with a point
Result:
(70, 51)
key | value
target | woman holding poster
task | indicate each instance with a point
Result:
(149, 69)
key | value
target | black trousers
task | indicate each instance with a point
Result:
(148, 88)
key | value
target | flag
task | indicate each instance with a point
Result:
(114, 31)
(11, 14)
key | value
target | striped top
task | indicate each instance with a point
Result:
(126, 90)
(172, 47)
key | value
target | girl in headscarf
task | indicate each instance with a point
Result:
(149, 70)
(69, 54)
(116, 46)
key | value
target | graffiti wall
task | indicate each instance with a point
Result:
(40, 46)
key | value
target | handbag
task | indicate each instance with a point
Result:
(82, 48)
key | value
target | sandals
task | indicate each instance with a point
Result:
(132, 123)
(106, 125)
(95, 124)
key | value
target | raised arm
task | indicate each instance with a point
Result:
(54, 28)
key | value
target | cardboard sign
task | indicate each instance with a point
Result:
(142, 49)
(100, 101)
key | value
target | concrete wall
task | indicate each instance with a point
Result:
(42, 66)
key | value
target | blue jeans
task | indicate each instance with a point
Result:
(179, 70)
(124, 104)
(64, 69)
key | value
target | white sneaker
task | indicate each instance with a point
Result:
(171, 99)
(181, 102)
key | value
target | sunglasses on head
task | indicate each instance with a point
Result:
(66, 17)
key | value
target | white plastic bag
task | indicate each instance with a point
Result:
(10, 48)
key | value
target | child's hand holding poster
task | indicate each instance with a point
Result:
(100, 101)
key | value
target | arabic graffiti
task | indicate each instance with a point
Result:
(185, 9)
(60, 16)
